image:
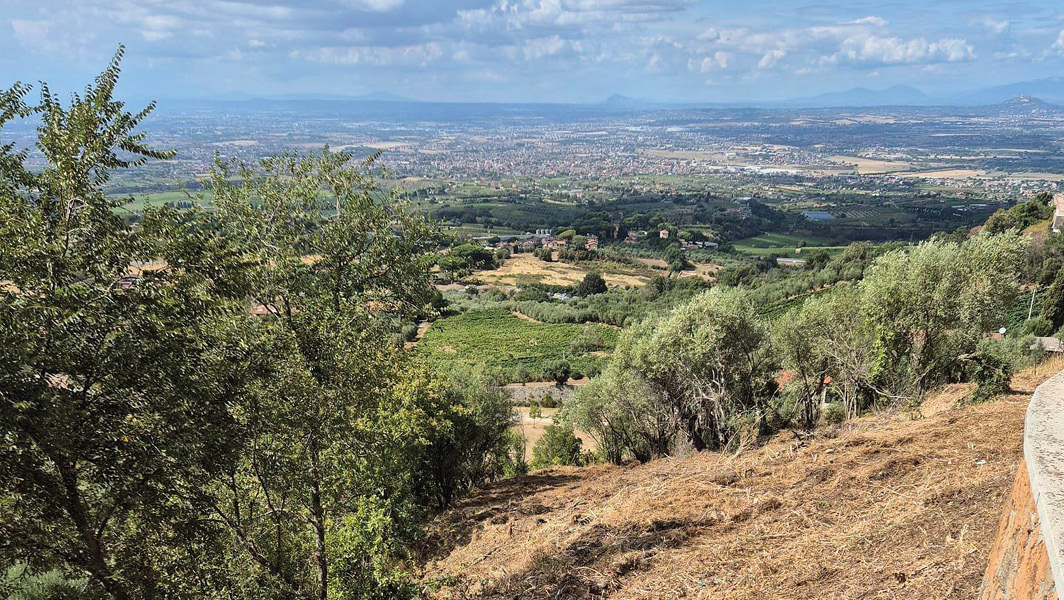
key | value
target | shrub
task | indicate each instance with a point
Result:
(592, 284)
(513, 458)
(834, 413)
(559, 372)
(558, 446)
(1040, 326)
(992, 375)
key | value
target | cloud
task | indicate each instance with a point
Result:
(876, 21)
(875, 50)
(1058, 46)
(770, 58)
(374, 5)
(419, 55)
(32, 35)
(994, 26)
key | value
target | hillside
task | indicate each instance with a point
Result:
(886, 507)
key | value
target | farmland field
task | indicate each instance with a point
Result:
(783, 243)
(520, 349)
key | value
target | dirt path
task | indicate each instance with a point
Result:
(421, 329)
(525, 317)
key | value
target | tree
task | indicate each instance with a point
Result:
(1001, 221)
(559, 446)
(707, 363)
(932, 304)
(1053, 306)
(827, 338)
(592, 284)
(559, 372)
(677, 261)
(333, 432)
(114, 381)
(466, 258)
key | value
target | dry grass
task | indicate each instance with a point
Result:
(525, 268)
(885, 507)
(869, 166)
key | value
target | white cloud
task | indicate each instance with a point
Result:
(718, 61)
(770, 58)
(994, 26)
(32, 34)
(1058, 46)
(876, 21)
(374, 5)
(876, 50)
(412, 55)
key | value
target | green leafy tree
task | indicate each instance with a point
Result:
(1053, 306)
(592, 284)
(932, 304)
(559, 372)
(114, 380)
(559, 446)
(323, 498)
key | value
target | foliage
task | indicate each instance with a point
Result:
(18, 583)
(592, 284)
(521, 350)
(559, 446)
(932, 304)
(1021, 216)
(991, 374)
(1053, 307)
(559, 372)
(708, 366)
(462, 260)
(105, 379)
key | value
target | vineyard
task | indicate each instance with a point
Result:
(518, 349)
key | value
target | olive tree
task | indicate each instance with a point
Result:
(931, 304)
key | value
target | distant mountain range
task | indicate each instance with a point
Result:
(1041, 94)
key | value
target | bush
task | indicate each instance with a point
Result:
(992, 374)
(513, 459)
(1040, 326)
(833, 413)
(559, 446)
(559, 372)
(592, 284)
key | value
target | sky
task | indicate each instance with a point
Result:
(531, 50)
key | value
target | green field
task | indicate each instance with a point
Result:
(783, 243)
(520, 349)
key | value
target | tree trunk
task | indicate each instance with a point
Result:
(318, 520)
(96, 562)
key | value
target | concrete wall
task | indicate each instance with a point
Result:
(1027, 560)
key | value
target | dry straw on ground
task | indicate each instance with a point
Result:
(885, 507)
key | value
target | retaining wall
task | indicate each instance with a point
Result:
(1027, 559)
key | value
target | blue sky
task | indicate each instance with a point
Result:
(532, 50)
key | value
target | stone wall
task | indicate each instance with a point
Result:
(1019, 564)
(1027, 560)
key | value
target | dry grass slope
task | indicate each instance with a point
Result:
(885, 507)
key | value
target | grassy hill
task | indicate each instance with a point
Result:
(885, 507)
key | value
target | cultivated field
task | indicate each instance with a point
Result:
(522, 349)
(783, 243)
